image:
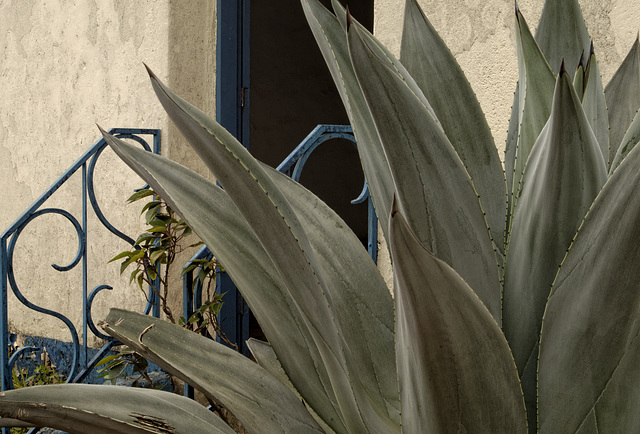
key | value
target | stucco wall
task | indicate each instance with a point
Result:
(65, 65)
(480, 33)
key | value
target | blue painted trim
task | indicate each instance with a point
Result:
(232, 112)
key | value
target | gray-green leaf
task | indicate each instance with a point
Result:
(455, 367)
(84, 408)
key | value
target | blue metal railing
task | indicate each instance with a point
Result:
(291, 166)
(86, 164)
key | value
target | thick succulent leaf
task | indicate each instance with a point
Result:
(595, 106)
(562, 34)
(362, 300)
(564, 174)
(511, 144)
(534, 99)
(331, 39)
(589, 374)
(455, 367)
(623, 97)
(84, 408)
(220, 225)
(629, 141)
(266, 357)
(268, 211)
(263, 206)
(435, 191)
(258, 399)
(382, 53)
(435, 69)
(579, 79)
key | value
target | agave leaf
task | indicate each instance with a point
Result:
(455, 367)
(266, 357)
(445, 86)
(562, 34)
(454, 228)
(623, 97)
(629, 141)
(579, 80)
(219, 224)
(595, 106)
(564, 174)
(275, 223)
(362, 300)
(82, 408)
(331, 40)
(259, 400)
(534, 99)
(511, 144)
(589, 343)
(261, 203)
(382, 53)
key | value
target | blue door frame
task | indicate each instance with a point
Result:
(232, 112)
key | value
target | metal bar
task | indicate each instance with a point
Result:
(5, 375)
(83, 354)
(8, 240)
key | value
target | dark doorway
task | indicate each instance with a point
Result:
(273, 88)
(291, 91)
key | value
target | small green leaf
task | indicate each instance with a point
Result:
(140, 194)
(122, 255)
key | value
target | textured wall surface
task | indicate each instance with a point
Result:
(65, 65)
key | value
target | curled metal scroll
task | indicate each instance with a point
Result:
(298, 158)
(90, 189)
(14, 358)
(90, 322)
(14, 286)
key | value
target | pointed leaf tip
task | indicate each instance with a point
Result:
(349, 18)
(149, 71)
(563, 69)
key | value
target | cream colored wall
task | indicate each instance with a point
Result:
(65, 65)
(480, 33)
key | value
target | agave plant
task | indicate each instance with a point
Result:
(515, 304)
